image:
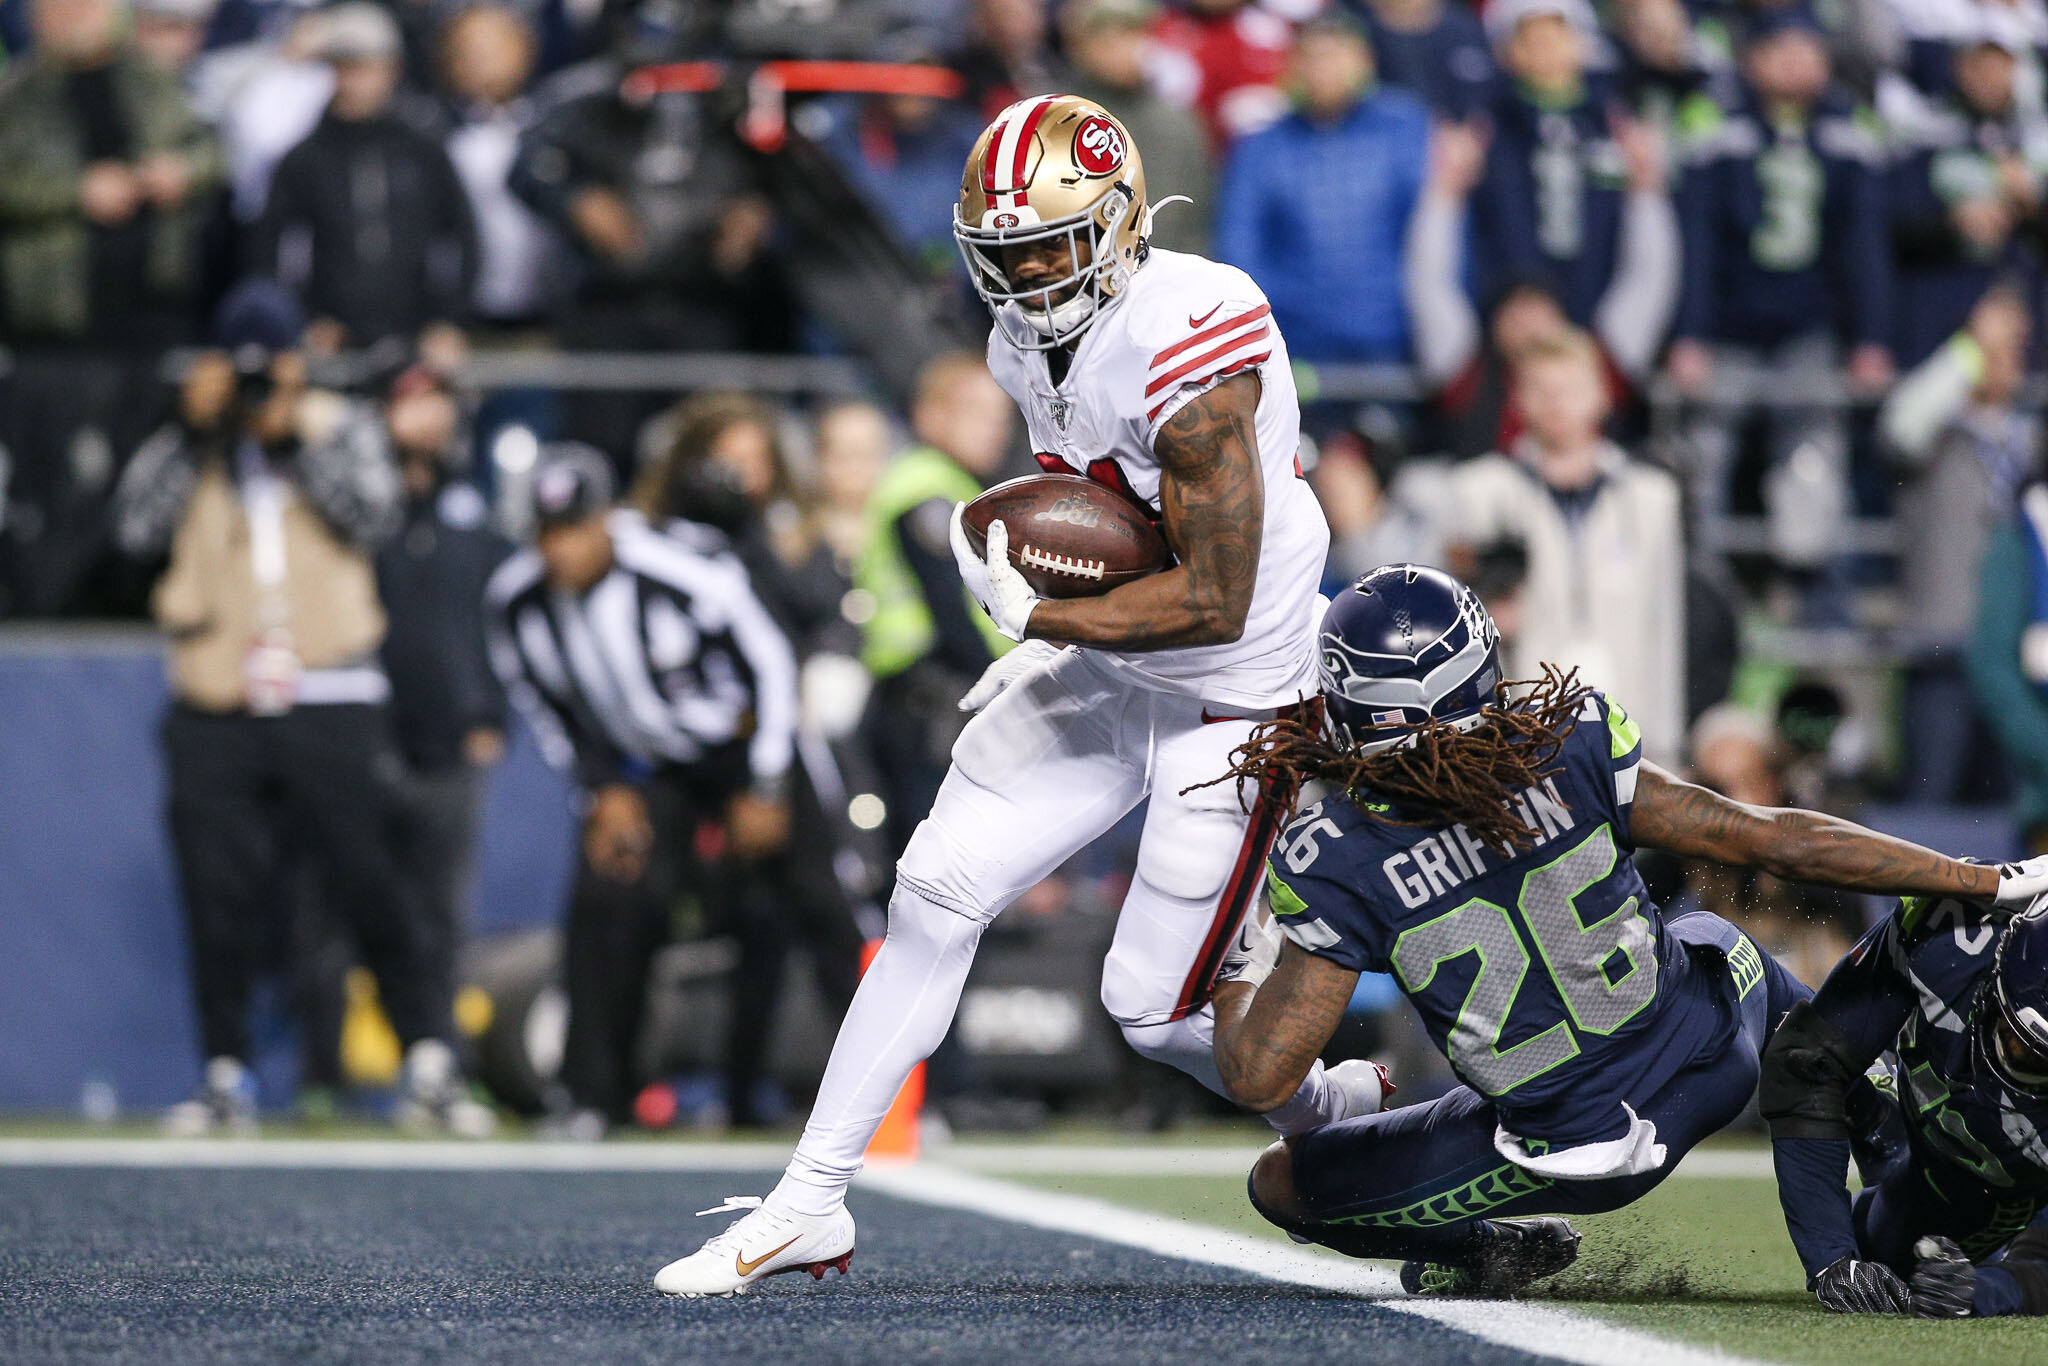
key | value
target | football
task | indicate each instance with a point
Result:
(1070, 537)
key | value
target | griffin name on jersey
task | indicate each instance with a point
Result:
(1460, 924)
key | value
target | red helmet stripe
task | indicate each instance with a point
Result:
(1023, 155)
(1009, 145)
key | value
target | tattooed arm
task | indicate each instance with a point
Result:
(1212, 496)
(1268, 1036)
(1801, 846)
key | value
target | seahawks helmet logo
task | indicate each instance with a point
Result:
(1410, 683)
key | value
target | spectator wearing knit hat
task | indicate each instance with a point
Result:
(367, 219)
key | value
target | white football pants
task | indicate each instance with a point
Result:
(1045, 768)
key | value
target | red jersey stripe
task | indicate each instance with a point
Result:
(1228, 324)
(1255, 337)
(1232, 368)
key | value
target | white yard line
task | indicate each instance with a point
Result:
(1540, 1329)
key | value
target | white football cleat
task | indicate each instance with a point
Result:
(1363, 1084)
(765, 1243)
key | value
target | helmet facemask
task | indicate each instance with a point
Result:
(1029, 318)
(2011, 1037)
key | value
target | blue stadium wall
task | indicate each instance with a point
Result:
(93, 985)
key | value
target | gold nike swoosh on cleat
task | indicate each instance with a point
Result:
(747, 1268)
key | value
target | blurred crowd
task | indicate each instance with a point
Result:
(1662, 321)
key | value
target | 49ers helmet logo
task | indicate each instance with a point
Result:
(1006, 220)
(1098, 146)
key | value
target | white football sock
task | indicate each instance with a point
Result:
(900, 1014)
(1314, 1104)
(1189, 1044)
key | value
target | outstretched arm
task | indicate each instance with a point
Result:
(1800, 846)
(1268, 1035)
(1212, 496)
(1813, 1070)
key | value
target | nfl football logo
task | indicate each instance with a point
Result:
(1061, 411)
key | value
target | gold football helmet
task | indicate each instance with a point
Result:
(1051, 167)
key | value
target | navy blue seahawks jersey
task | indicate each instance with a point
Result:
(1537, 973)
(1921, 972)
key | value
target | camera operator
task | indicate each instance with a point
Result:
(268, 496)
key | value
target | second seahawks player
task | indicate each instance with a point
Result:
(1478, 850)
(1953, 996)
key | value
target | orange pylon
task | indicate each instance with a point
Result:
(896, 1139)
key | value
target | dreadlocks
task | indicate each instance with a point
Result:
(1436, 774)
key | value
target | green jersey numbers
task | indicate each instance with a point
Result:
(1482, 928)
(1604, 971)
(1794, 186)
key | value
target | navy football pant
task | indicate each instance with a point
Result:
(1919, 1196)
(1414, 1183)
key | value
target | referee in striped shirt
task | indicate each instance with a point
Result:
(656, 679)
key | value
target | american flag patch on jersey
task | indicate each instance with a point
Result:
(1386, 718)
(1216, 350)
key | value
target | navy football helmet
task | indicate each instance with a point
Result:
(1401, 646)
(2012, 1012)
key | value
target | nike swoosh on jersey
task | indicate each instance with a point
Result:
(1193, 321)
(747, 1268)
(1209, 720)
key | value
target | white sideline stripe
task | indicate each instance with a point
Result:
(392, 1154)
(1539, 1329)
(1032, 1159)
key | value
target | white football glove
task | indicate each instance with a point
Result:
(2023, 886)
(1256, 949)
(973, 569)
(1001, 673)
(1011, 599)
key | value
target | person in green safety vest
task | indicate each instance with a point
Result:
(923, 638)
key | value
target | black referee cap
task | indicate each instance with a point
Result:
(571, 482)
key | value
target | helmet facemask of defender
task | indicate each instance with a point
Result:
(2012, 1012)
(1056, 171)
(1401, 647)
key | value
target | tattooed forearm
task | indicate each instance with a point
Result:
(1212, 498)
(1801, 846)
(1267, 1038)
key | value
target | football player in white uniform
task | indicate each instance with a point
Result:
(1162, 375)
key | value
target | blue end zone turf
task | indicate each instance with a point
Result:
(180, 1265)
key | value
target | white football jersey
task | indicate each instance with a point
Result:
(1181, 326)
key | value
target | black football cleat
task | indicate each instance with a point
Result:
(1514, 1254)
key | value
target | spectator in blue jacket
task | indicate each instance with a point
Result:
(1548, 206)
(1435, 50)
(1966, 192)
(1316, 206)
(1787, 258)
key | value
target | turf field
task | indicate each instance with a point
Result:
(390, 1251)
